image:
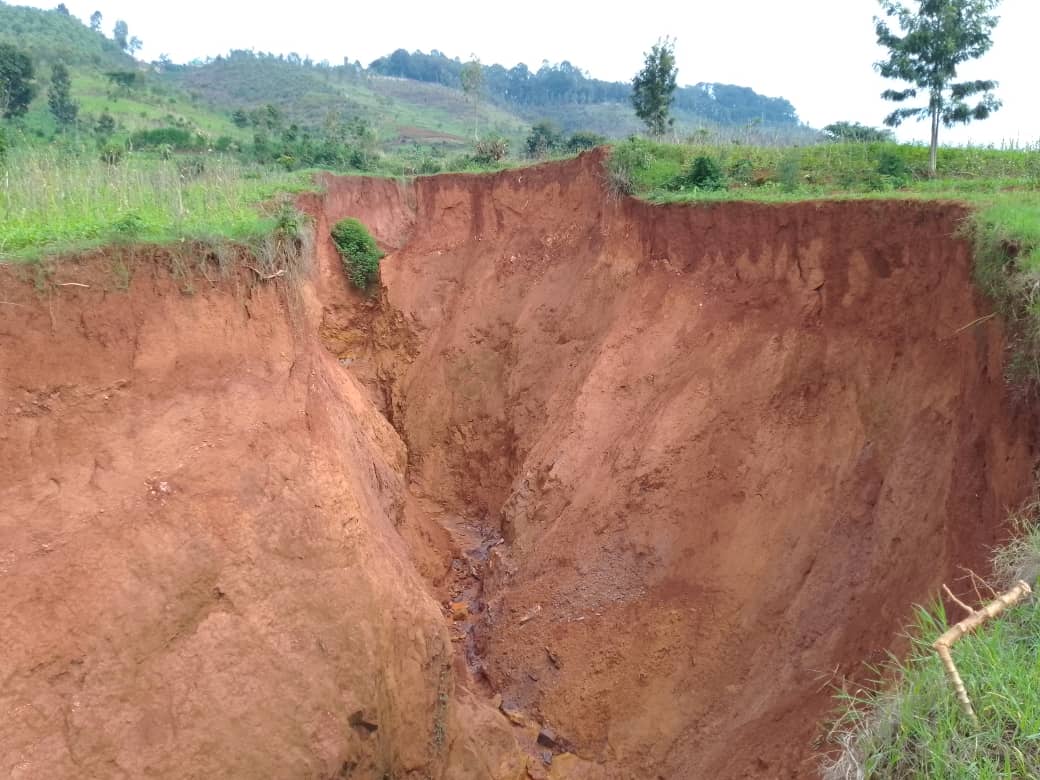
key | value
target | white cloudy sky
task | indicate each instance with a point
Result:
(816, 53)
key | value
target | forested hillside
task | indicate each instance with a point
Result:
(565, 84)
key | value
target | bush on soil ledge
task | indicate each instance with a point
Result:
(358, 250)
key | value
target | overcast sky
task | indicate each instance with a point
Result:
(816, 53)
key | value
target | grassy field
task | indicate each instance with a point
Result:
(53, 202)
(51, 37)
(307, 96)
(660, 172)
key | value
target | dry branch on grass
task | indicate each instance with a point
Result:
(976, 617)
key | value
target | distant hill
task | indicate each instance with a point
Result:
(403, 92)
(309, 92)
(50, 37)
(564, 91)
(407, 98)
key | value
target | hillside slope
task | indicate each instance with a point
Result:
(308, 94)
(50, 37)
(399, 95)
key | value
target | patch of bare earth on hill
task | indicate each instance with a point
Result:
(587, 489)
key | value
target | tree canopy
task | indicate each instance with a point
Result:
(854, 131)
(926, 47)
(121, 35)
(653, 88)
(59, 97)
(16, 81)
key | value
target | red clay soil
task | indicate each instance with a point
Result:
(679, 468)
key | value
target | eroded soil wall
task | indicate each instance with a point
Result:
(685, 466)
(200, 574)
(728, 448)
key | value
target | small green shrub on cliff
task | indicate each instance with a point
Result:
(704, 173)
(358, 249)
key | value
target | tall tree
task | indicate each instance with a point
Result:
(925, 49)
(16, 81)
(120, 34)
(59, 96)
(653, 88)
(472, 78)
(95, 21)
(61, 9)
(106, 124)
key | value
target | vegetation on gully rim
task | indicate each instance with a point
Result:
(358, 250)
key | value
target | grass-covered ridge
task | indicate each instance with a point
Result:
(914, 727)
(661, 172)
(55, 203)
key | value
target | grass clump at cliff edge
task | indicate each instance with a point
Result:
(1006, 232)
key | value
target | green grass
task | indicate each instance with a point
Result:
(654, 170)
(358, 251)
(54, 203)
(915, 728)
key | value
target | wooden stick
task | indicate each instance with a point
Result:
(957, 601)
(72, 284)
(977, 617)
(978, 321)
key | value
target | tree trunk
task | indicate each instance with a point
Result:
(933, 154)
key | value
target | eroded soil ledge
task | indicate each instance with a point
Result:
(684, 466)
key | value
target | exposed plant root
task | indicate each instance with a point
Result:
(975, 619)
(266, 277)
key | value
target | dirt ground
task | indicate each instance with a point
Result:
(587, 489)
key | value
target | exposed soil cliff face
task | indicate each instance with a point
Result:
(200, 572)
(684, 465)
(727, 446)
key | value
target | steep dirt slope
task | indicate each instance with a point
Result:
(199, 570)
(676, 468)
(727, 447)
